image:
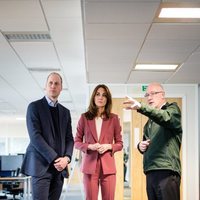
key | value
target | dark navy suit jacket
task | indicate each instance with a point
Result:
(40, 153)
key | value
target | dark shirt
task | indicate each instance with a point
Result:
(57, 137)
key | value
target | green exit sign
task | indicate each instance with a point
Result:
(144, 88)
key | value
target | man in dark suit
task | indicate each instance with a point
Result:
(51, 142)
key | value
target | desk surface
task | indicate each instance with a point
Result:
(16, 178)
(25, 179)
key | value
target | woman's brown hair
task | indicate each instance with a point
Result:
(93, 110)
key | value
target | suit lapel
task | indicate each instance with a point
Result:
(92, 126)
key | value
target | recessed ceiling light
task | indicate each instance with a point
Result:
(158, 67)
(179, 13)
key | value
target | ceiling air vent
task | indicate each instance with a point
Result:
(40, 69)
(27, 36)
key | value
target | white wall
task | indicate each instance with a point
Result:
(13, 136)
(12, 128)
(190, 118)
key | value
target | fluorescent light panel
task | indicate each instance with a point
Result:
(180, 13)
(158, 67)
(174, 12)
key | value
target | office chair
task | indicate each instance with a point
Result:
(14, 188)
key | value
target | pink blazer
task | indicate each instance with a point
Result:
(110, 134)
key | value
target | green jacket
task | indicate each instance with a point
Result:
(164, 129)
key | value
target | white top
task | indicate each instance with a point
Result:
(98, 121)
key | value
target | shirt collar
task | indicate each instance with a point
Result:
(50, 102)
(163, 105)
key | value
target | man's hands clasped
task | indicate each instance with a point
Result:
(61, 163)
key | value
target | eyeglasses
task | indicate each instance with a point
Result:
(151, 94)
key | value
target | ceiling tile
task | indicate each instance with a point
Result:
(107, 77)
(109, 51)
(116, 31)
(148, 77)
(120, 12)
(22, 16)
(174, 31)
(37, 54)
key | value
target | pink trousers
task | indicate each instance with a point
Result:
(92, 181)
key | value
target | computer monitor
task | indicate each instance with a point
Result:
(11, 162)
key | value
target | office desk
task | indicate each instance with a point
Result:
(26, 180)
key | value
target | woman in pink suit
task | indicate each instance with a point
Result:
(99, 137)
